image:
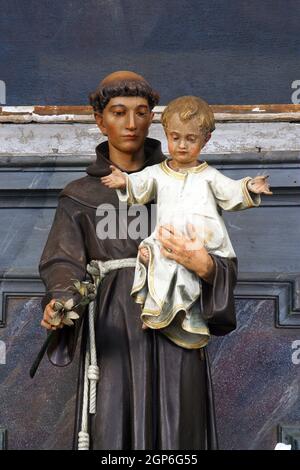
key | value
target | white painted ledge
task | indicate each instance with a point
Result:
(62, 130)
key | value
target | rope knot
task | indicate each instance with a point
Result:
(93, 373)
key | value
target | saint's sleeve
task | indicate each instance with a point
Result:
(217, 299)
(140, 187)
(232, 195)
(63, 260)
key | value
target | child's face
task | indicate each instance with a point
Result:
(185, 139)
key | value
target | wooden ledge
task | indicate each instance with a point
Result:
(84, 114)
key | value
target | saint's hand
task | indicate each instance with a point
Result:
(116, 180)
(187, 251)
(259, 185)
(49, 315)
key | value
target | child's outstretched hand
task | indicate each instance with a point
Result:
(116, 180)
(259, 185)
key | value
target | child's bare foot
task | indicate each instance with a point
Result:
(144, 255)
(144, 327)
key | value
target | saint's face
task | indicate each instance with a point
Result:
(185, 140)
(125, 121)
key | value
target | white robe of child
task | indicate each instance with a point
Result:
(168, 292)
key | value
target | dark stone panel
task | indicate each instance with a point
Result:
(256, 378)
(257, 237)
(23, 234)
(32, 179)
(37, 413)
(259, 243)
(255, 381)
(26, 216)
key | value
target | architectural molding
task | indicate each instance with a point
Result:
(283, 288)
(223, 113)
(61, 162)
(21, 286)
(289, 435)
(3, 439)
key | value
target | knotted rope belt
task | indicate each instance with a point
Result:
(98, 270)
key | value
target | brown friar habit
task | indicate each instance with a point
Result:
(152, 394)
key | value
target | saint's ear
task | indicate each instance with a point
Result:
(150, 121)
(99, 122)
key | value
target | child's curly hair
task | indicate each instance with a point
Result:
(190, 107)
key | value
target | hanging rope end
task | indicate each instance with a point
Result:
(83, 440)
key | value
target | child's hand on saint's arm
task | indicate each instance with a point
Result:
(259, 185)
(116, 180)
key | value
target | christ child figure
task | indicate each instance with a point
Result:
(190, 195)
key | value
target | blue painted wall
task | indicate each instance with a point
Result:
(229, 52)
